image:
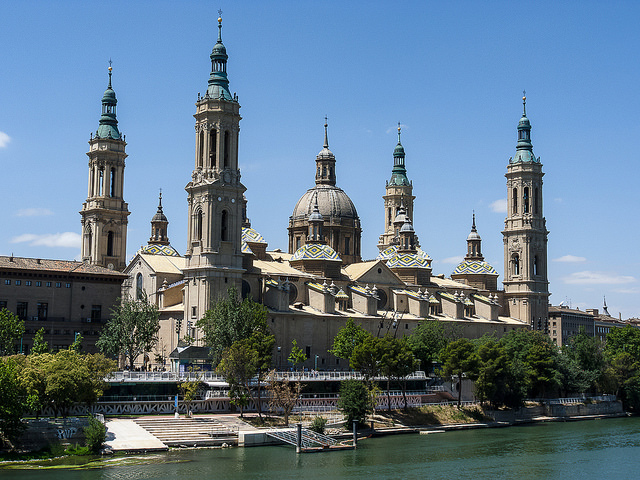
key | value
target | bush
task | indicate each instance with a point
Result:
(354, 401)
(318, 425)
(95, 434)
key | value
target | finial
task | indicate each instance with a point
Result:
(473, 226)
(399, 130)
(160, 199)
(220, 25)
(110, 68)
(524, 103)
(326, 138)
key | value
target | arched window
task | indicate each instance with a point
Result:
(213, 149)
(224, 220)
(516, 264)
(525, 201)
(515, 200)
(139, 286)
(112, 182)
(100, 182)
(89, 240)
(535, 202)
(197, 230)
(201, 145)
(110, 244)
(535, 265)
(390, 219)
(226, 149)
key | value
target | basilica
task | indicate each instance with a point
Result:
(321, 281)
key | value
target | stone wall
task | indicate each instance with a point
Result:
(47, 431)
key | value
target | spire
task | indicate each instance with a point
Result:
(474, 243)
(315, 223)
(108, 127)
(524, 148)
(218, 82)
(325, 162)
(399, 172)
(159, 225)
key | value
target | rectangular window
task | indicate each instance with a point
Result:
(58, 284)
(3, 304)
(308, 351)
(38, 284)
(43, 309)
(21, 310)
(68, 285)
(18, 282)
(48, 284)
(346, 246)
(7, 281)
(194, 312)
(96, 313)
(27, 283)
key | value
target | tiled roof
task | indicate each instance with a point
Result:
(408, 260)
(62, 266)
(391, 251)
(249, 235)
(474, 267)
(153, 249)
(315, 251)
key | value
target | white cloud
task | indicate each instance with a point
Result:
(499, 206)
(632, 291)
(451, 260)
(66, 239)
(570, 259)
(33, 212)
(597, 278)
(4, 139)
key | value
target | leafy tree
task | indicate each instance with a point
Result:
(77, 343)
(189, 390)
(231, 319)
(367, 357)
(297, 356)
(11, 331)
(12, 402)
(33, 379)
(262, 344)
(95, 434)
(428, 339)
(132, 329)
(582, 363)
(284, 394)
(396, 361)
(238, 366)
(499, 380)
(354, 401)
(347, 339)
(458, 359)
(97, 368)
(625, 339)
(39, 344)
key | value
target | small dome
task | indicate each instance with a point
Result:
(407, 227)
(154, 249)
(159, 217)
(219, 49)
(332, 202)
(474, 235)
(392, 251)
(524, 156)
(249, 235)
(315, 251)
(398, 151)
(408, 260)
(109, 96)
(474, 267)
(325, 154)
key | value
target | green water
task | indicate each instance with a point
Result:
(595, 449)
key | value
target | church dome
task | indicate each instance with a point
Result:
(408, 260)
(249, 235)
(332, 202)
(474, 267)
(315, 251)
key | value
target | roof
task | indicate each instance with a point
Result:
(408, 260)
(315, 251)
(249, 235)
(163, 264)
(389, 252)
(474, 267)
(155, 249)
(332, 202)
(65, 266)
(270, 267)
(245, 248)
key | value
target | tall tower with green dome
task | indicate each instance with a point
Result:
(214, 194)
(104, 213)
(399, 194)
(525, 234)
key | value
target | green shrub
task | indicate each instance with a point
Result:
(95, 434)
(318, 425)
(354, 401)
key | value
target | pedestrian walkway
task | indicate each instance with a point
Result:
(125, 434)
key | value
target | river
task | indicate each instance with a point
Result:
(592, 449)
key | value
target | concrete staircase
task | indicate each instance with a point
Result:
(188, 432)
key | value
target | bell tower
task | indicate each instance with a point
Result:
(214, 194)
(104, 213)
(525, 234)
(399, 195)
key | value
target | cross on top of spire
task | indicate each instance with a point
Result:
(524, 103)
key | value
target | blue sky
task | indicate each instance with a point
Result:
(451, 72)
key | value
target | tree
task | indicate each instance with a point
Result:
(132, 329)
(231, 319)
(497, 380)
(297, 356)
(428, 339)
(77, 343)
(39, 344)
(238, 366)
(459, 359)
(284, 394)
(397, 362)
(354, 401)
(189, 390)
(262, 344)
(12, 402)
(11, 331)
(347, 339)
(582, 363)
(367, 357)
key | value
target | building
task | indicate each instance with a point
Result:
(65, 298)
(565, 322)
